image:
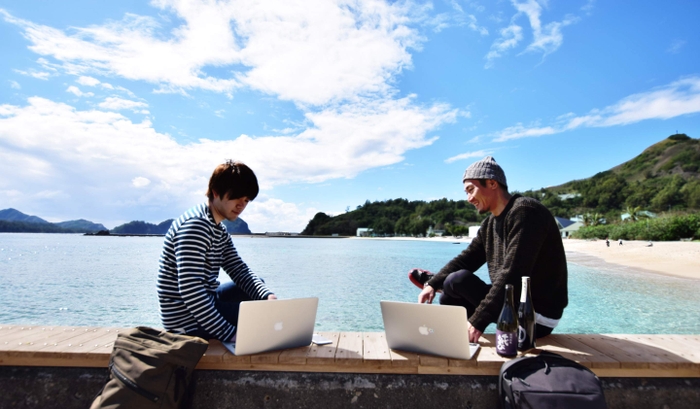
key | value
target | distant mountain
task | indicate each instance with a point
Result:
(237, 226)
(7, 226)
(14, 215)
(140, 227)
(82, 225)
(14, 221)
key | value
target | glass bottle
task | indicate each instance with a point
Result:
(507, 327)
(526, 318)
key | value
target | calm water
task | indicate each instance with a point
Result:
(110, 281)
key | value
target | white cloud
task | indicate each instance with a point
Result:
(678, 98)
(140, 182)
(40, 75)
(118, 104)
(510, 37)
(318, 52)
(77, 92)
(676, 46)
(88, 81)
(439, 22)
(97, 156)
(307, 51)
(681, 97)
(15, 85)
(588, 7)
(519, 131)
(546, 39)
(336, 61)
(275, 215)
(469, 155)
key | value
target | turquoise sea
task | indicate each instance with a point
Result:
(58, 279)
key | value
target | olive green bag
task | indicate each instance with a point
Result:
(150, 368)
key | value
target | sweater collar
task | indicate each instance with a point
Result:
(207, 211)
(508, 207)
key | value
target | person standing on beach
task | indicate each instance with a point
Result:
(519, 238)
(196, 246)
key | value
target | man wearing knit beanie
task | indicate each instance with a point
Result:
(519, 238)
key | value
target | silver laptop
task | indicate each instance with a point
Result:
(428, 329)
(270, 325)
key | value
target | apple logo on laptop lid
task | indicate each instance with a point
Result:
(279, 326)
(424, 330)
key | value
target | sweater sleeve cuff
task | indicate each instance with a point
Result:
(437, 281)
(480, 322)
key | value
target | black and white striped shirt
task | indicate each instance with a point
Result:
(195, 248)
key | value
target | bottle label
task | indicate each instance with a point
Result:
(506, 343)
(524, 289)
(522, 334)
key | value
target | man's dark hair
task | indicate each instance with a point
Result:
(482, 182)
(233, 180)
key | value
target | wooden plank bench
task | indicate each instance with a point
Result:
(673, 356)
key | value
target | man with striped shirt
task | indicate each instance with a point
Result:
(196, 246)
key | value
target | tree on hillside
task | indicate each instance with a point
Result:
(691, 194)
(383, 226)
(670, 195)
(319, 219)
(634, 213)
(592, 219)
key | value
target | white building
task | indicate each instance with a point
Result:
(364, 232)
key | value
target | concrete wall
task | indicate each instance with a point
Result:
(67, 388)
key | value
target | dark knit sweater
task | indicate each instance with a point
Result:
(524, 240)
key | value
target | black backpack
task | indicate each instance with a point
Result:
(548, 381)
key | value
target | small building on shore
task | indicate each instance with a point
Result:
(566, 226)
(364, 232)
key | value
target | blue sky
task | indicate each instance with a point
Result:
(115, 111)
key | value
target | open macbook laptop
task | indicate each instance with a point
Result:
(275, 324)
(427, 329)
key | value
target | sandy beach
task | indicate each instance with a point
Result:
(673, 258)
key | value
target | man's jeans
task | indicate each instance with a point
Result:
(227, 301)
(465, 289)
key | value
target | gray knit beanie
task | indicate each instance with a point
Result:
(486, 168)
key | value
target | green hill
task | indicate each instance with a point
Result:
(663, 178)
(398, 216)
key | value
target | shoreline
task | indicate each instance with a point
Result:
(669, 258)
